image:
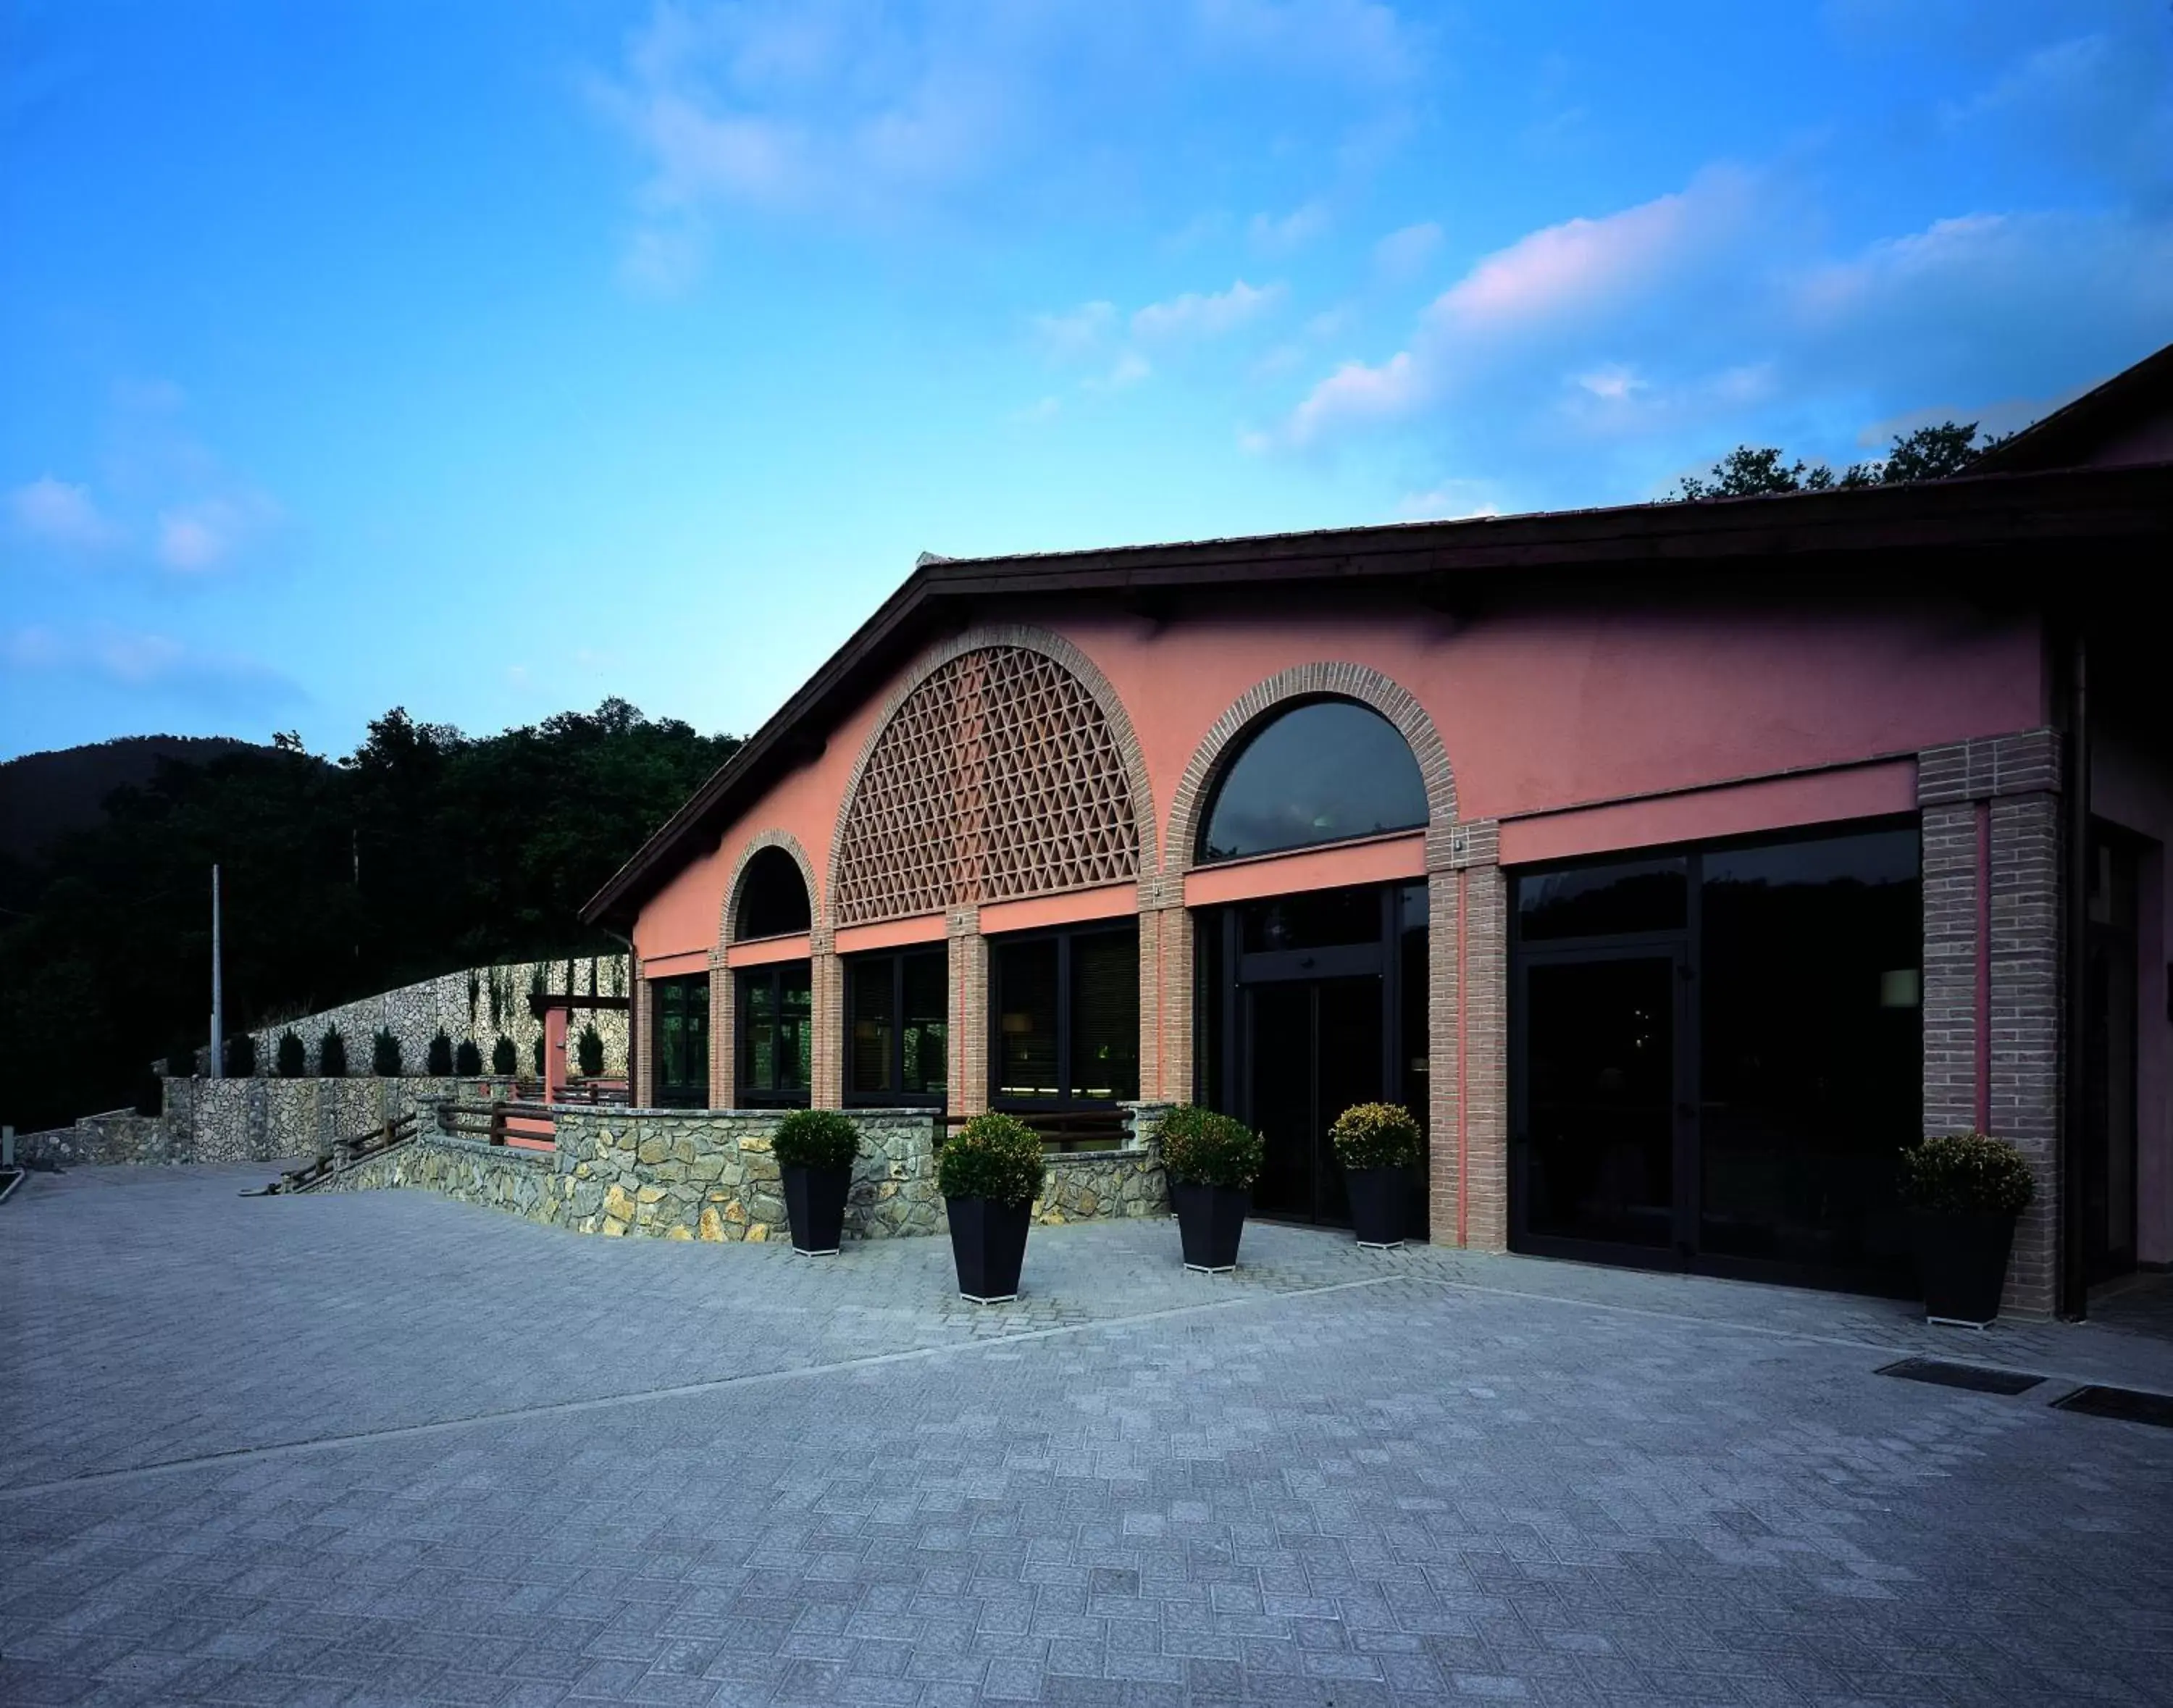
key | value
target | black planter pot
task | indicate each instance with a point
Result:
(1961, 1256)
(1210, 1220)
(815, 1204)
(1377, 1205)
(988, 1242)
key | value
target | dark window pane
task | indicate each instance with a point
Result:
(1648, 895)
(681, 1008)
(1105, 1017)
(795, 1028)
(927, 1059)
(772, 895)
(1322, 771)
(1411, 925)
(1315, 919)
(1027, 1019)
(758, 1002)
(870, 1024)
(1812, 1048)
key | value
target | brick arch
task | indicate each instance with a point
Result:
(1339, 680)
(1122, 740)
(727, 919)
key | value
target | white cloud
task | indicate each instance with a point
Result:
(1210, 315)
(1612, 382)
(1129, 369)
(1451, 501)
(60, 512)
(205, 534)
(150, 662)
(1281, 234)
(1355, 392)
(1041, 410)
(1404, 255)
(1076, 332)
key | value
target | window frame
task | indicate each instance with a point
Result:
(744, 1096)
(1242, 744)
(1067, 1102)
(660, 992)
(894, 1096)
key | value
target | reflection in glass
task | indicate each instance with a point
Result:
(896, 1036)
(1026, 982)
(1311, 919)
(925, 1045)
(1812, 1067)
(777, 1010)
(871, 1020)
(1105, 1017)
(1600, 901)
(1323, 771)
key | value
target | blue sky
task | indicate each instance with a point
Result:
(495, 358)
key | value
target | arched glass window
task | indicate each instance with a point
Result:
(1322, 771)
(773, 897)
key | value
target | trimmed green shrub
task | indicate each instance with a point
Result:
(535, 1055)
(816, 1139)
(240, 1056)
(467, 1060)
(589, 1051)
(332, 1055)
(438, 1059)
(385, 1055)
(293, 1056)
(504, 1059)
(1375, 1135)
(181, 1062)
(994, 1156)
(1965, 1173)
(475, 993)
(1201, 1148)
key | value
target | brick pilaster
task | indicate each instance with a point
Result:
(724, 1034)
(969, 1011)
(826, 1068)
(1467, 1021)
(642, 1071)
(2004, 789)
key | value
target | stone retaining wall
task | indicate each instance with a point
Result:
(118, 1136)
(711, 1175)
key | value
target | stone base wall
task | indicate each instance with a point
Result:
(232, 1121)
(118, 1136)
(711, 1174)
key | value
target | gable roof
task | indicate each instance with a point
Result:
(2068, 437)
(1945, 526)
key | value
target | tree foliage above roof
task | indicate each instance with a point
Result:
(1928, 453)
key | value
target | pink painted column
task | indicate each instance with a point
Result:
(554, 1053)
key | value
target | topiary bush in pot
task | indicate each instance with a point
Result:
(1377, 1143)
(332, 1055)
(385, 1055)
(467, 1060)
(589, 1051)
(504, 1058)
(990, 1172)
(815, 1149)
(1967, 1190)
(437, 1059)
(1212, 1160)
(292, 1057)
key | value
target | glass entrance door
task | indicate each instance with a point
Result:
(1315, 1049)
(1602, 1116)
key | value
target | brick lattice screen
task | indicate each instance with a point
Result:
(998, 777)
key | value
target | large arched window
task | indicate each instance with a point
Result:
(773, 897)
(1319, 771)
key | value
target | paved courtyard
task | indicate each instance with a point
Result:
(385, 1448)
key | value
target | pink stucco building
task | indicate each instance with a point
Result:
(1676, 862)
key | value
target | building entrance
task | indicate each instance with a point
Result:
(1308, 1005)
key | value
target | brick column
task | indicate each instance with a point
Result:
(826, 1068)
(969, 1012)
(1467, 1027)
(641, 1090)
(1165, 991)
(1991, 812)
(724, 1033)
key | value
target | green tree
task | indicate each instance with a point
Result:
(437, 1059)
(385, 1055)
(1928, 453)
(294, 1060)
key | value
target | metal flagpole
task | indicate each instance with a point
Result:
(217, 1003)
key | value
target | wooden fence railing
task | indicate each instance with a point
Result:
(598, 1093)
(345, 1153)
(517, 1126)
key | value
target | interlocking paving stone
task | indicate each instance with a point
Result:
(469, 1460)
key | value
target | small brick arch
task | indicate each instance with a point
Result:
(1337, 680)
(1067, 658)
(728, 919)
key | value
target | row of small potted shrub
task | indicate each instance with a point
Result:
(443, 1059)
(991, 1170)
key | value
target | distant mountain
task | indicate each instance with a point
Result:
(45, 795)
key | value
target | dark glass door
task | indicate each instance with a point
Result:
(1601, 1116)
(2108, 1057)
(1315, 1048)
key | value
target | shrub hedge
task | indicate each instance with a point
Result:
(994, 1156)
(1965, 1173)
